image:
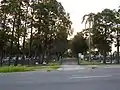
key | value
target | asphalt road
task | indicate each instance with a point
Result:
(69, 61)
(84, 79)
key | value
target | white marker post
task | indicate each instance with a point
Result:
(79, 58)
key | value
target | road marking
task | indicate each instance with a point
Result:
(70, 67)
(85, 77)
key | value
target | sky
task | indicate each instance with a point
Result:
(78, 8)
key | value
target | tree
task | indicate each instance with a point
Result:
(59, 48)
(51, 23)
(3, 44)
(4, 29)
(116, 29)
(102, 31)
(12, 10)
(31, 20)
(25, 27)
(89, 20)
(32, 23)
(79, 44)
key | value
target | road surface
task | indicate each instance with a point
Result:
(84, 79)
(69, 61)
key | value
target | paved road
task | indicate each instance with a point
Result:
(70, 64)
(69, 61)
(71, 67)
(84, 79)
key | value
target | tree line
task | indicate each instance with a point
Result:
(33, 29)
(39, 30)
(102, 30)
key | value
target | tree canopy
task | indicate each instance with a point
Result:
(30, 27)
(79, 44)
(104, 29)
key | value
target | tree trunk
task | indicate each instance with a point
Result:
(84, 56)
(104, 60)
(18, 47)
(31, 39)
(41, 58)
(4, 28)
(90, 41)
(1, 58)
(104, 52)
(111, 57)
(23, 56)
(58, 56)
(24, 37)
(78, 59)
(117, 47)
(12, 40)
(31, 32)
(18, 43)
(16, 61)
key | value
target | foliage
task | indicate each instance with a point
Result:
(79, 44)
(102, 31)
(103, 27)
(30, 27)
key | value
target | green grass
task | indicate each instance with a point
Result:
(6, 69)
(83, 62)
(50, 67)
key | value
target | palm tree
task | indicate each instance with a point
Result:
(89, 20)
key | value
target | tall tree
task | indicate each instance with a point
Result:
(13, 8)
(90, 21)
(4, 27)
(79, 44)
(18, 28)
(116, 29)
(46, 20)
(25, 26)
(102, 31)
(51, 22)
(31, 15)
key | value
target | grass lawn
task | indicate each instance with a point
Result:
(7, 69)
